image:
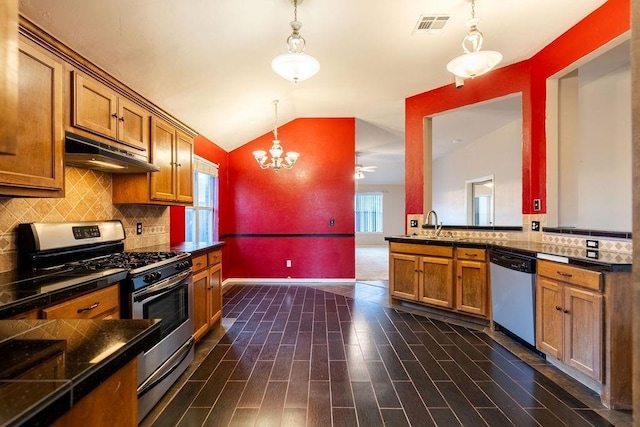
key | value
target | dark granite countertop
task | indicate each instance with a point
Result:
(48, 365)
(606, 262)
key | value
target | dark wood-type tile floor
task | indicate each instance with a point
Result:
(303, 356)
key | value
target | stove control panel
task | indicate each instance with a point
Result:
(85, 232)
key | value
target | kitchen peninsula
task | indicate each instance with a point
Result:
(582, 312)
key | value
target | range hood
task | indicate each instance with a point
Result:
(85, 153)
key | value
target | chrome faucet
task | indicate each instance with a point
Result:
(435, 223)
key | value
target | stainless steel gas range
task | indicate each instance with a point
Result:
(158, 285)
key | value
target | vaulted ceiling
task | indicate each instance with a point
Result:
(208, 61)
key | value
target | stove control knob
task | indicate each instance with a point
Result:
(182, 265)
(148, 278)
(157, 275)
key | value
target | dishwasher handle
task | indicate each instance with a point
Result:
(512, 261)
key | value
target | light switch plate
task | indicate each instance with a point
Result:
(536, 204)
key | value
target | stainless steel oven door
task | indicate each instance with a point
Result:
(171, 301)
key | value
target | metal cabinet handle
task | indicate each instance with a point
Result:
(558, 308)
(121, 119)
(114, 115)
(91, 307)
(565, 311)
(471, 255)
(564, 274)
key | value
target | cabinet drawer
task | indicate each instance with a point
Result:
(95, 305)
(471, 253)
(215, 257)
(415, 249)
(569, 274)
(199, 262)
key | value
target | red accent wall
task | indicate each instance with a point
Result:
(285, 215)
(528, 77)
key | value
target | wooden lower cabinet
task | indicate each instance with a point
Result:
(403, 276)
(471, 287)
(113, 403)
(569, 324)
(425, 274)
(436, 281)
(200, 290)
(207, 292)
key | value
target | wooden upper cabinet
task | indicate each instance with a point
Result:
(163, 145)
(8, 76)
(98, 109)
(94, 107)
(184, 167)
(133, 124)
(37, 168)
(172, 152)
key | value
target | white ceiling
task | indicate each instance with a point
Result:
(208, 61)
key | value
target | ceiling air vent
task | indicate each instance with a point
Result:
(428, 24)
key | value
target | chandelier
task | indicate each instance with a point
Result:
(474, 62)
(295, 65)
(276, 162)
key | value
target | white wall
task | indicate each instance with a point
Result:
(393, 213)
(601, 194)
(498, 153)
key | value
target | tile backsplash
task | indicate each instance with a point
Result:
(88, 198)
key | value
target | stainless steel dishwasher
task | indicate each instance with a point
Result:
(513, 294)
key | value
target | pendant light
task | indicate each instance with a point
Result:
(474, 62)
(295, 65)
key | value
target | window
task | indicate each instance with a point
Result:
(369, 213)
(202, 218)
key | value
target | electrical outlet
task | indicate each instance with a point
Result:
(288, 263)
(413, 223)
(139, 228)
(535, 225)
(536, 204)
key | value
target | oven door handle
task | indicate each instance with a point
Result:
(161, 287)
(167, 368)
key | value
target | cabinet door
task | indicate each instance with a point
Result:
(38, 163)
(215, 294)
(184, 169)
(471, 289)
(549, 317)
(200, 304)
(133, 125)
(94, 107)
(403, 276)
(162, 155)
(436, 283)
(583, 331)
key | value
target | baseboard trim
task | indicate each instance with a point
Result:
(289, 281)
